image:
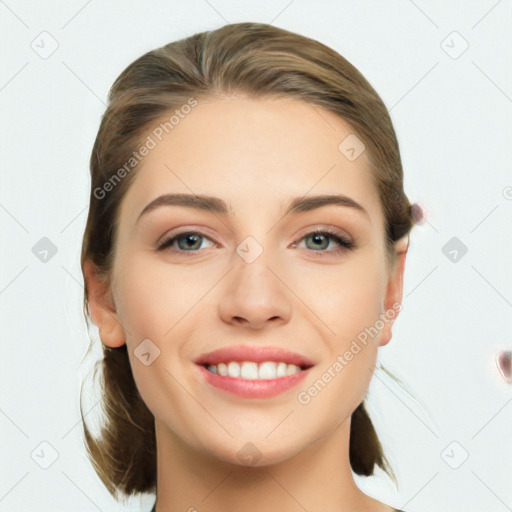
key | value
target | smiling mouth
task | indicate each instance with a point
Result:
(250, 370)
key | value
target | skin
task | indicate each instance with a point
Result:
(256, 155)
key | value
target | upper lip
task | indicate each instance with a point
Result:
(258, 354)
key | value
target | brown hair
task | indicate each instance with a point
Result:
(259, 61)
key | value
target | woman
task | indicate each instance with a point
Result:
(243, 261)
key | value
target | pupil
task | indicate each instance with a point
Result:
(318, 238)
(190, 240)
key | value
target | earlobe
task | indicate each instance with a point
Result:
(394, 291)
(102, 308)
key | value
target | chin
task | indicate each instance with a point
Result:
(258, 453)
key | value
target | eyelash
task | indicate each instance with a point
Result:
(344, 243)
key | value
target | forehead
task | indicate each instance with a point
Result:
(253, 153)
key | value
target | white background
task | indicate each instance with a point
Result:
(453, 117)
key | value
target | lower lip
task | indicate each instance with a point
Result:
(246, 388)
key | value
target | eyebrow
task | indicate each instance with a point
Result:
(217, 205)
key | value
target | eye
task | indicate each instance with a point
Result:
(191, 241)
(321, 238)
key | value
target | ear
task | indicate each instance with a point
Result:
(394, 291)
(102, 308)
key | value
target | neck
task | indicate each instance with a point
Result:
(317, 478)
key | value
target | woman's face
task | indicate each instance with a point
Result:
(251, 274)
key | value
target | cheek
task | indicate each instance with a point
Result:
(350, 306)
(347, 298)
(152, 305)
(153, 299)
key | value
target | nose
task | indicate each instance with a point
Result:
(255, 296)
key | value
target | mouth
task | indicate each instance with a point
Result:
(253, 372)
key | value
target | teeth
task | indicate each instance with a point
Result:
(267, 370)
(233, 369)
(281, 369)
(249, 371)
(291, 369)
(252, 371)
